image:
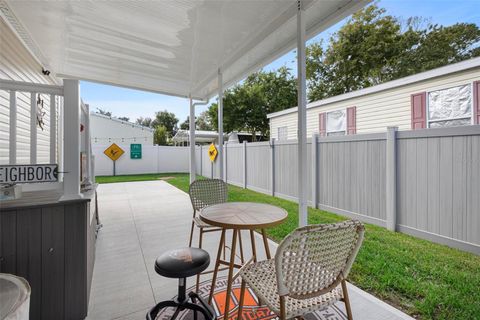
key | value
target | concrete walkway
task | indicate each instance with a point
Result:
(140, 221)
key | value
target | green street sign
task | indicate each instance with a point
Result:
(135, 151)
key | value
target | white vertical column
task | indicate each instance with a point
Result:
(391, 179)
(33, 128)
(245, 164)
(88, 150)
(53, 129)
(302, 118)
(192, 141)
(71, 180)
(220, 124)
(272, 166)
(13, 128)
(315, 170)
(60, 137)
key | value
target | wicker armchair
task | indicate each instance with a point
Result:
(308, 272)
(206, 192)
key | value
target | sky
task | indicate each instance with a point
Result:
(134, 104)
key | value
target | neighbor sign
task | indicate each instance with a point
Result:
(135, 151)
(114, 152)
(212, 152)
(28, 173)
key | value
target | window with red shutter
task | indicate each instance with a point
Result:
(352, 120)
(322, 124)
(419, 110)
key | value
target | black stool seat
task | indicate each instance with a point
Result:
(182, 263)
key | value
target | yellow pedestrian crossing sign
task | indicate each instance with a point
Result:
(212, 152)
(114, 152)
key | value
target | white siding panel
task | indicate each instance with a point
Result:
(16, 63)
(378, 110)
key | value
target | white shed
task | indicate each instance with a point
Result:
(446, 96)
(107, 130)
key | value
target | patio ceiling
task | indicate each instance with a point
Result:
(170, 47)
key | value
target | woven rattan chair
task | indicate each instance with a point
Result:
(309, 270)
(206, 192)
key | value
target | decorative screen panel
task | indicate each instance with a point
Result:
(336, 121)
(451, 103)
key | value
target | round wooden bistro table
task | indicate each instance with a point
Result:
(239, 216)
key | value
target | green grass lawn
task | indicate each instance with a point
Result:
(424, 279)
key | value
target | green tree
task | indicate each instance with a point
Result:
(185, 125)
(246, 105)
(124, 118)
(204, 121)
(160, 136)
(104, 112)
(146, 122)
(166, 119)
(373, 47)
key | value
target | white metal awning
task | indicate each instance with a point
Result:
(172, 47)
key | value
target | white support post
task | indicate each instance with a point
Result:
(272, 166)
(315, 170)
(391, 179)
(13, 128)
(245, 164)
(302, 118)
(88, 149)
(71, 180)
(33, 128)
(192, 141)
(60, 140)
(220, 125)
(53, 129)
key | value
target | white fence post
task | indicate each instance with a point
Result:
(53, 129)
(315, 170)
(245, 164)
(225, 169)
(272, 166)
(201, 161)
(391, 179)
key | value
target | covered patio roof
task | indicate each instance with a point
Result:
(170, 47)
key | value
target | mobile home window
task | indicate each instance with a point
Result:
(283, 133)
(450, 107)
(336, 122)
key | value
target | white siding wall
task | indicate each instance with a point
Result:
(16, 63)
(378, 110)
(105, 131)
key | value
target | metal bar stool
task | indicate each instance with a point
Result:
(181, 264)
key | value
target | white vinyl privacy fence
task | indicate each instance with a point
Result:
(424, 182)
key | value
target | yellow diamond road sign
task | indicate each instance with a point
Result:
(212, 152)
(114, 152)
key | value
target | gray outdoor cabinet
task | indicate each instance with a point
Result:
(52, 245)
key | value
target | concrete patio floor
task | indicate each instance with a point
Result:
(140, 221)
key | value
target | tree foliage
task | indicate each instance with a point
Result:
(146, 122)
(166, 119)
(246, 105)
(104, 112)
(124, 118)
(373, 47)
(160, 135)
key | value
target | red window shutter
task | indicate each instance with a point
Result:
(352, 120)
(476, 102)
(419, 110)
(322, 124)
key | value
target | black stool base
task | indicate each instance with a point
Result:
(184, 304)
